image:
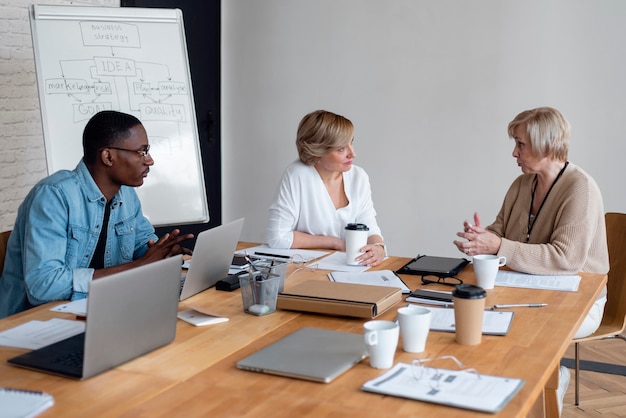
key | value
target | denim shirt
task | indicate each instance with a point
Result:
(55, 236)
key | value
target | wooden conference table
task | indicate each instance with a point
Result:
(196, 374)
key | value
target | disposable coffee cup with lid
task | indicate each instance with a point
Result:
(356, 238)
(469, 307)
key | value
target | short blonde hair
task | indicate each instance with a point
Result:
(548, 130)
(321, 131)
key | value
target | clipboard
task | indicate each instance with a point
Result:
(426, 265)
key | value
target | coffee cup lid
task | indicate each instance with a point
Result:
(357, 227)
(469, 291)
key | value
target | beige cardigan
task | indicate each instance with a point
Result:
(569, 235)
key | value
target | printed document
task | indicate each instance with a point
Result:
(494, 322)
(37, 334)
(532, 281)
(462, 389)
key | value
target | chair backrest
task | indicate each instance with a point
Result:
(616, 291)
(4, 238)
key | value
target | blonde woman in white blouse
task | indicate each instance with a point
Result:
(323, 191)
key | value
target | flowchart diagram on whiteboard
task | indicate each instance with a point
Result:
(135, 61)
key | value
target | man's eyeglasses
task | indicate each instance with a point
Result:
(449, 281)
(143, 152)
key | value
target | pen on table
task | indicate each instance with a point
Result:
(521, 305)
(271, 255)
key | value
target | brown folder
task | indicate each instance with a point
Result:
(344, 299)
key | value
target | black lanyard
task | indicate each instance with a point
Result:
(532, 200)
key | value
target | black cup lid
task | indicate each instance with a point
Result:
(357, 227)
(469, 291)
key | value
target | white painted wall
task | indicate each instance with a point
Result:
(431, 86)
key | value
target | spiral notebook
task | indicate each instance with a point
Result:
(17, 403)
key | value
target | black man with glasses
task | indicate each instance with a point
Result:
(79, 225)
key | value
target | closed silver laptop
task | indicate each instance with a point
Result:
(313, 354)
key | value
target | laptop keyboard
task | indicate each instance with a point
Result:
(183, 276)
(73, 359)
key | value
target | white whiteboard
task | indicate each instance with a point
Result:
(135, 61)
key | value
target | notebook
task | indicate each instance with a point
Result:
(128, 314)
(426, 265)
(310, 353)
(212, 256)
(17, 403)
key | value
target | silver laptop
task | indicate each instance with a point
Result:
(128, 314)
(212, 257)
(313, 354)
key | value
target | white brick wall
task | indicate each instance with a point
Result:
(22, 154)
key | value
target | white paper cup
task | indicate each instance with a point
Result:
(356, 238)
(414, 324)
(486, 268)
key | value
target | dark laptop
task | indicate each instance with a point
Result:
(128, 314)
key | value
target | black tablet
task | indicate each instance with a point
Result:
(426, 265)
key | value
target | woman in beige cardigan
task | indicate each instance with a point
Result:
(552, 217)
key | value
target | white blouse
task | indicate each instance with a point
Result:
(303, 204)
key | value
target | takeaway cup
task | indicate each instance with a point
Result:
(356, 238)
(469, 306)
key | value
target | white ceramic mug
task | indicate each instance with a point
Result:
(381, 340)
(486, 268)
(356, 238)
(414, 324)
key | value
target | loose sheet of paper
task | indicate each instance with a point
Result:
(37, 334)
(77, 307)
(337, 262)
(532, 281)
(293, 255)
(460, 389)
(494, 322)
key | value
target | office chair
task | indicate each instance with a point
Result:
(4, 238)
(614, 320)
